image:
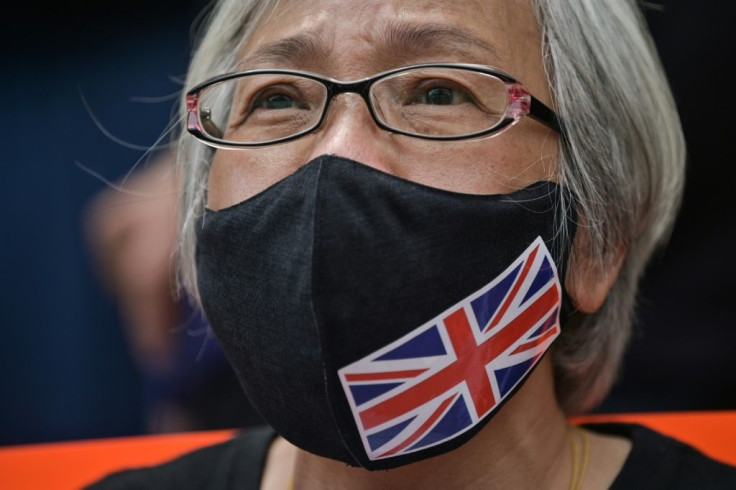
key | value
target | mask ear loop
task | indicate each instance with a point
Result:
(566, 212)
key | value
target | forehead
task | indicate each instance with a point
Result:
(350, 39)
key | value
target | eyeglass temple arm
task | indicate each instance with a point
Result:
(209, 125)
(545, 115)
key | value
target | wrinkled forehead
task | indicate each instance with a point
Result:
(351, 39)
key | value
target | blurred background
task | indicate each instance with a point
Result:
(73, 364)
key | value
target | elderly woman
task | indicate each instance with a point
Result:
(417, 229)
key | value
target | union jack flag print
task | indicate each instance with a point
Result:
(447, 375)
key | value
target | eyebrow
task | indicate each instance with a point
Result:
(396, 40)
(443, 39)
(292, 50)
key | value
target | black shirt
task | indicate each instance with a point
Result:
(655, 462)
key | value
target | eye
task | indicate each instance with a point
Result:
(439, 96)
(274, 101)
(281, 95)
(438, 92)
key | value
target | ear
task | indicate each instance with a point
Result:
(588, 281)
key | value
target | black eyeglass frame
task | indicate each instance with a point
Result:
(521, 103)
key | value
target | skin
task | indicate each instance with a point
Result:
(353, 33)
(530, 432)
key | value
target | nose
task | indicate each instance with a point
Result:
(349, 131)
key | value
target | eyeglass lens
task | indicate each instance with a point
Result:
(439, 101)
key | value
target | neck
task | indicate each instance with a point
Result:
(523, 446)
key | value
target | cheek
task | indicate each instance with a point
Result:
(528, 153)
(524, 154)
(236, 175)
(498, 165)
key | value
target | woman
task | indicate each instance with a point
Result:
(390, 246)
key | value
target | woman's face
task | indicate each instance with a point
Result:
(353, 39)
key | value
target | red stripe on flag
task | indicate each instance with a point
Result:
(539, 340)
(387, 375)
(512, 294)
(469, 360)
(423, 428)
(463, 341)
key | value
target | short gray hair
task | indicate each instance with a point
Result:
(622, 157)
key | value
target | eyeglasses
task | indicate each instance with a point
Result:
(438, 101)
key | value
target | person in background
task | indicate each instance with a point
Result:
(417, 231)
(187, 382)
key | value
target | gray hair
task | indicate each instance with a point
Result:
(622, 157)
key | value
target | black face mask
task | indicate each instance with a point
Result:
(377, 321)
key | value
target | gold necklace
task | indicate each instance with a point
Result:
(578, 467)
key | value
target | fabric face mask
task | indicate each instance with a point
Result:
(377, 321)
